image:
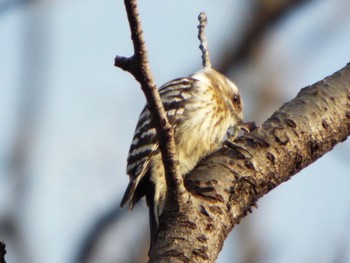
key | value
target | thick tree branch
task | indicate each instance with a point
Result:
(228, 183)
(138, 66)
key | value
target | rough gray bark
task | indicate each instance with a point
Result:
(226, 185)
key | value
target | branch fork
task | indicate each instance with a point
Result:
(138, 66)
(226, 185)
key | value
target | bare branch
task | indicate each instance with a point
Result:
(138, 66)
(204, 43)
(228, 184)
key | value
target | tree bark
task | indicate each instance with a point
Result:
(226, 185)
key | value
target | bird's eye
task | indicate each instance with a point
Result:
(236, 99)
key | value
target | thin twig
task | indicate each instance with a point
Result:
(201, 36)
(138, 66)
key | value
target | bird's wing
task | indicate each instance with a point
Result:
(145, 142)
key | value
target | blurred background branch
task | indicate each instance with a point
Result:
(265, 14)
(33, 75)
(2, 252)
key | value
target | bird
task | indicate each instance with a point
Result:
(201, 108)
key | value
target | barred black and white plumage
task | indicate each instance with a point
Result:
(201, 108)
